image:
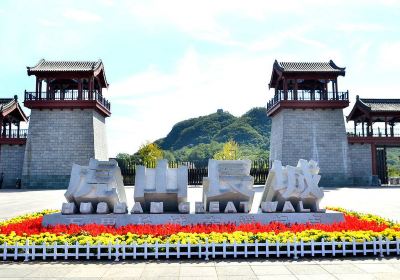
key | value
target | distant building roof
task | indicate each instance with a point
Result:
(49, 66)
(10, 106)
(379, 105)
(5, 101)
(374, 109)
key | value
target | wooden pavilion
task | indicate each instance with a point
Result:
(69, 84)
(11, 115)
(306, 85)
(374, 124)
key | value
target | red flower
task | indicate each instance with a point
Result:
(34, 226)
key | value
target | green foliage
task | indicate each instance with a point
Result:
(240, 132)
(251, 128)
(393, 162)
(199, 139)
(229, 151)
(149, 152)
(127, 159)
(195, 131)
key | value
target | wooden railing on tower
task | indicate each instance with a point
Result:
(306, 95)
(68, 95)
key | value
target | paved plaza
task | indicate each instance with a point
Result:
(383, 201)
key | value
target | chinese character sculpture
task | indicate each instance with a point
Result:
(292, 189)
(161, 184)
(97, 186)
(228, 181)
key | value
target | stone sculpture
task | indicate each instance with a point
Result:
(290, 189)
(228, 180)
(161, 184)
(100, 182)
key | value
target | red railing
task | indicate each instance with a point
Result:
(68, 95)
(22, 134)
(306, 95)
(379, 132)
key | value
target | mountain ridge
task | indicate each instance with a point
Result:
(207, 133)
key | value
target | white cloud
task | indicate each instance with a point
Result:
(275, 40)
(359, 27)
(81, 16)
(205, 19)
(389, 56)
(48, 23)
(148, 104)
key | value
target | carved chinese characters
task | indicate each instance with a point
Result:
(228, 181)
(161, 184)
(292, 189)
(99, 183)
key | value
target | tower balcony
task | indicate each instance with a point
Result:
(13, 136)
(379, 136)
(68, 99)
(306, 99)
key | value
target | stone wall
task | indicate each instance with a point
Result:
(11, 160)
(100, 137)
(321, 135)
(57, 139)
(313, 134)
(361, 164)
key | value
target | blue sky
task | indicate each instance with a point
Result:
(171, 60)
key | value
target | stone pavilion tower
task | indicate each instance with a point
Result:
(307, 118)
(67, 122)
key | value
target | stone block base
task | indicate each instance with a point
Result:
(340, 180)
(45, 182)
(335, 180)
(186, 219)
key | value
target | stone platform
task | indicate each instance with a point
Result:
(186, 219)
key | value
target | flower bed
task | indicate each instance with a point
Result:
(357, 226)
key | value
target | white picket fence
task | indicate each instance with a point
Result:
(208, 250)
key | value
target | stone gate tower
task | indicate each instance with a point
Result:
(67, 121)
(307, 118)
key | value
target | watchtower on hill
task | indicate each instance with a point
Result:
(307, 118)
(67, 122)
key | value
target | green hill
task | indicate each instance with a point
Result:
(199, 138)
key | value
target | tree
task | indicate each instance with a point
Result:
(126, 159)
(230, 151)
(149, 153)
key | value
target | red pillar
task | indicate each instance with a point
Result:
(1, 126)
(37, 86)
(9, 129)
(336, 91)
(79, 89)
(386, 132)
(285, 91)
(355, 128)
(40, 89)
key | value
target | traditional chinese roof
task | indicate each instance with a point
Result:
(5, 101)
(46, 68)
(379, 105)
(368, 108)
(308, 67)
(10, 106)
(305, 71)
